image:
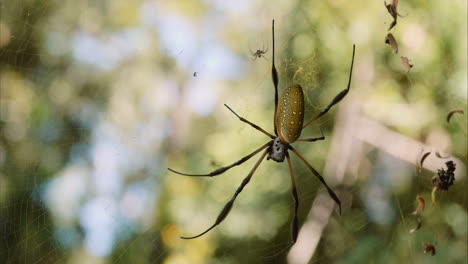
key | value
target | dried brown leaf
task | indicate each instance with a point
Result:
(421, 205)
(450, 114)
(423, 158)
(406, 64)
(393, 11)
(418, 225)
(390, 40)
(429, 248)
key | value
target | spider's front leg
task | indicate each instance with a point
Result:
(274, 76)
(338, 97)
(227, 208)
(239, 162)
(223, 169)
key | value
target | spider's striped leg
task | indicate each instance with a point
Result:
(294, 223)
(330, 191)
(227, 208)
(223, 169)
(313, 139)
(274, 75)
(250, 123)
(337, 98)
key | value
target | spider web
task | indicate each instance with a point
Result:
(98, 99)
(72, 187)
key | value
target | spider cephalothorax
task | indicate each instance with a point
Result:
(258, 53)
(288, 125)
(277, 150)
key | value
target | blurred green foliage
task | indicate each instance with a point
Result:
(72, 69)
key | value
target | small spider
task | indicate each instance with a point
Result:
(288, 125)
(258, 53)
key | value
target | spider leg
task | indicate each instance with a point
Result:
(330, 191)
(294, 223)
(338, 97)
(253, 54)
(223, 169)
(227, 208)
(313, 139)
(274, 75)
(250, 123)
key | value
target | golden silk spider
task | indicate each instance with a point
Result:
(288, 125)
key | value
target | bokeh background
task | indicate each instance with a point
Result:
(99, 98)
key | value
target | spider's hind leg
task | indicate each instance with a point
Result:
(321, 179)
(295, 221)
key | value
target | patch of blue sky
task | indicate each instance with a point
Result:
(107, 52)
(203, 53)
(99, 219)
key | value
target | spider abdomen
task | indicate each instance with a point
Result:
(290, 114)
